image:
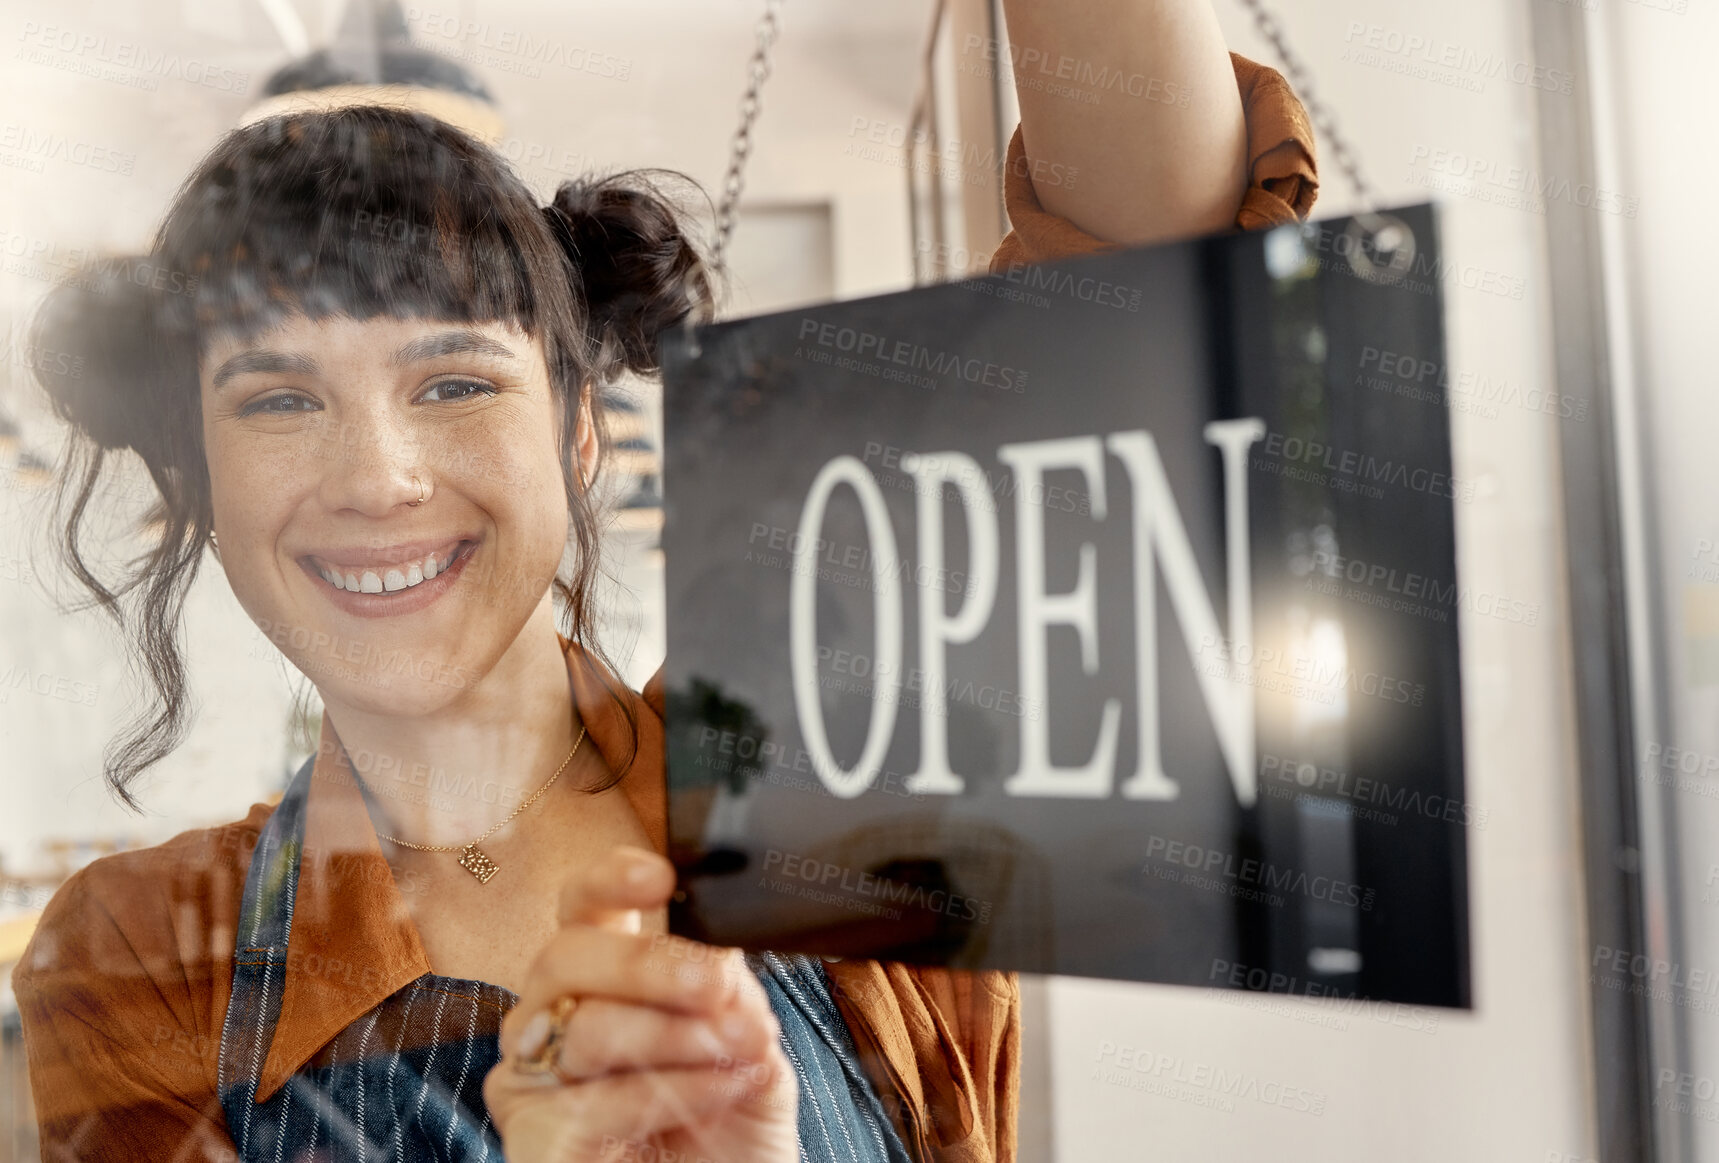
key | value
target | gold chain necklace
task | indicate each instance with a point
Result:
(473, 859)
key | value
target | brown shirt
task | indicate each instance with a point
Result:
(124, 986)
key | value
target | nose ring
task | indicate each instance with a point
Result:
(421, 494)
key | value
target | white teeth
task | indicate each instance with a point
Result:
(392, 578)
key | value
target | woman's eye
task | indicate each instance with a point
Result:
(282, 404)
(456, 390)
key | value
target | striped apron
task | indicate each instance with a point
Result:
(404, 1082)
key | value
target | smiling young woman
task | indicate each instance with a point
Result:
(373, 388)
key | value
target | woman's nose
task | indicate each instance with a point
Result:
(372, 467)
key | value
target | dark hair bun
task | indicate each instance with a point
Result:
(638, 269)
(96, 347)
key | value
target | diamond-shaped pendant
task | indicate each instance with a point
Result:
(475, 862)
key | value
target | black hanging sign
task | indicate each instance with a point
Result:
(1098, 618)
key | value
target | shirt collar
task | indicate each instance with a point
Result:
(353, 942)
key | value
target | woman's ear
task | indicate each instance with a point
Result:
(585, 437)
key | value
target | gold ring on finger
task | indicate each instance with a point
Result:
(548, 1058)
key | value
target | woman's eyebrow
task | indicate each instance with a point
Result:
(263, 360)
(452, 343)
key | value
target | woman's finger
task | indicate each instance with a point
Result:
(605, 891)
(607, 1037)
(586, 962)
(606, 1113)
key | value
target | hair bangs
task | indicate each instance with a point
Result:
(362, 213)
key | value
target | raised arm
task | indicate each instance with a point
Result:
(1163, 152)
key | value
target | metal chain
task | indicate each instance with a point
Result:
(1302, 82)
(526, 804)
(758, 72)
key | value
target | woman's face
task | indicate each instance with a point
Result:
(319, 436)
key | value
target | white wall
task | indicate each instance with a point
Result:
(1660, 54)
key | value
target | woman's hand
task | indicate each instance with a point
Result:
(671, 1051)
